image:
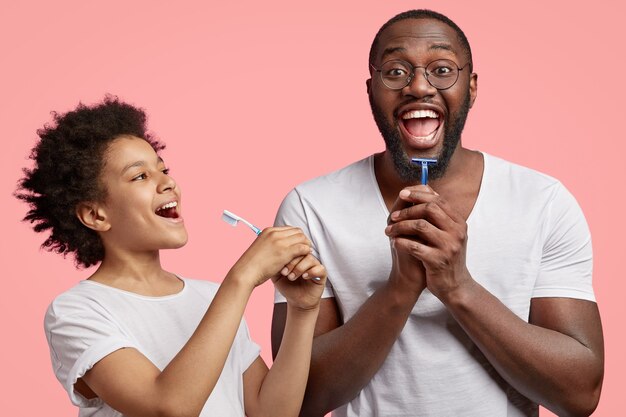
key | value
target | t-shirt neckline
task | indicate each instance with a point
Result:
(139, 296)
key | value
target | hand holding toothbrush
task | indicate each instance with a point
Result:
(277, 242)
(269, 253)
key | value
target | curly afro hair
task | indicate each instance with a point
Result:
(69, 158)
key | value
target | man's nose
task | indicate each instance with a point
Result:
(419, 86)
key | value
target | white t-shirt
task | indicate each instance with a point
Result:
(527, 237)
(91, 320)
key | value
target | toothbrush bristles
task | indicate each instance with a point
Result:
(229, 220)
(233, 219)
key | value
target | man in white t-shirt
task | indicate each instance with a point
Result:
(469, 296)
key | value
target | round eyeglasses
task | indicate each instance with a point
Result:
(397, 74)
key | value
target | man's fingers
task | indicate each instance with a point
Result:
(422, 196)
(432, 212)
(420, 229)
(416, 249)
(409, 197)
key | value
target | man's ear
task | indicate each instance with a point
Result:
(473, 88)
(368, 84)
(93, 216)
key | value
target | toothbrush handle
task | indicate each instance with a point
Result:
(251, 226)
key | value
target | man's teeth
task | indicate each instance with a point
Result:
(418, 114)
(168, 206)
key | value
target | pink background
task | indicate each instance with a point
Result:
(253, 98)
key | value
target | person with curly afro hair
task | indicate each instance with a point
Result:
(134, 339)
(68, 158)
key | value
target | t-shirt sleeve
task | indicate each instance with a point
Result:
(78, 338)
(291, 213)
(567, 261)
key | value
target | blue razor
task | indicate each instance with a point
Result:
(425, 163)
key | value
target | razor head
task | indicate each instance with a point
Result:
(429, 161)
(424, 162)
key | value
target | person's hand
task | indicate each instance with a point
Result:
(301, 282)
(269, 253)
(428, 229)
(407, 271)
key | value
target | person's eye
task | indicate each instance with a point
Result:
(166, 171)
(443, 71)
(140, 177)
(396, 72)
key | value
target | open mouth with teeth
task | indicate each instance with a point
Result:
(421, 126)
(168, 210)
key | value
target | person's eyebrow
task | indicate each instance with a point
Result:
(389, 51)
(139, 164)
(133, 165)
(444, 46)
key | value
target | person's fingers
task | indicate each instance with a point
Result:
(419, 229)
(302, 266)
(289, 267)
(317, 274)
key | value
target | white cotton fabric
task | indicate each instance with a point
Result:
(527, 238)
(91, 320)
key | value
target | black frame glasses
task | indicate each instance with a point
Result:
(440, 73)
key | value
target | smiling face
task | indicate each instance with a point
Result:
(141, 211)
(419, 121)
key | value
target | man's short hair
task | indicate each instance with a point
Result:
(423, 14)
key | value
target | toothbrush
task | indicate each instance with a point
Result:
(233, 219)
(425, 163)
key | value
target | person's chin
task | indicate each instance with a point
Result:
(176, 240)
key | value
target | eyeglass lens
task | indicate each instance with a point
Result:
(441, 73)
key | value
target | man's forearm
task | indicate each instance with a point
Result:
(559, 371)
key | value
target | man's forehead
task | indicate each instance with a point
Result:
(428, 35)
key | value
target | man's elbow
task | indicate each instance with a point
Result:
(588, 402)
(583, 402)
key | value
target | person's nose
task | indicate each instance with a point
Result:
(166, 183)
(419, 86)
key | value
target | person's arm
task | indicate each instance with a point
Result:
(131, 384)
(279, 392)
(555, 360)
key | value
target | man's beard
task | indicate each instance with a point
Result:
(408, 171)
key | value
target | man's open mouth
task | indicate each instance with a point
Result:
(422, 125)
(168, 210)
